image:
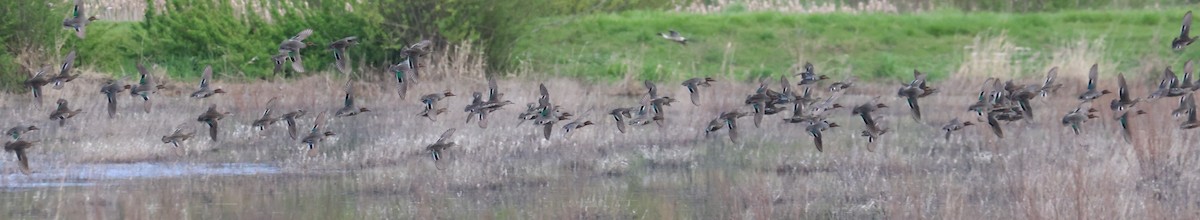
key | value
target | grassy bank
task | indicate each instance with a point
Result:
(868, 45)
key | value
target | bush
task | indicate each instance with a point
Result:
(26, 27)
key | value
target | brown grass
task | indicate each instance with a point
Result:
(376, 166)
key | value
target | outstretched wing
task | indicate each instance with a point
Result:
(320, 122)
(349, 100)
(544, 101)
(1123, 90)
(270, 105)
(68, 62)
(652, 90)
(1187, 25)
(493, 89)
(446, 136)
(1093, 73)
(1169, 78)
(1050, 77)
(302, 35)
(79, 9)
(206, 76)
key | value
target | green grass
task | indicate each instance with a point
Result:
(869, 45)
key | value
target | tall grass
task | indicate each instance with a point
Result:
(376, 166)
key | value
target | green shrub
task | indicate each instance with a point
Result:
(190, 34)
(26, 27)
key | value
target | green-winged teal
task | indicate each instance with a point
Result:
(290, 118)
(340, 58)
(1049, 86)
(21, 148)
(693, 86)
(864, 111)
(983, 104)
(1022, 95)
(444, 142)
(36, 82)
(78, 20)
(65, 75)
(1123, 100)
(412, 58)
(1168, 86)
(210, 117)
(873, 127)
(955, 125)
(578, 123)
(727, 120)
(63, 112)
(873, 132)
(1076, 117)
(432, 114)
(620, 115)
(842, 85)
(110, 89)
(178, 136)
(817, 111)
(1190, 104)
(1174, 86)
(994, 123)
(915, 90)
(266, 119)
(417, 50)
(292, 47)
(278, 60)
(674, 36)
(432, 100)
(316, 135)
(764, 101)
(1122, 117)
(348, 106)
(530, 113)
(494, 102)
(146, 86)
(809, 75)
(402, 78)
(16, 132)
(1092, 92)
(206, 89)
(547, 116)
(658, 106)
(643, 116)
(1183, 40)
(473, 109)
(433, 106)
(815, 128)
(787, 94)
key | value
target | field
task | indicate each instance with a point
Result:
(376, 166)
(870, 45)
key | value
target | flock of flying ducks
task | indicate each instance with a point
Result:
(997, 101)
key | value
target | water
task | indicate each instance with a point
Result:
(91, 174)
